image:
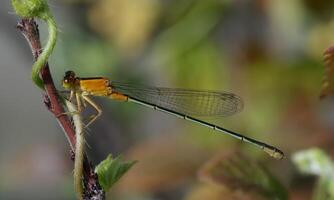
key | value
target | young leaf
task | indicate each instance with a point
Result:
(110, 170)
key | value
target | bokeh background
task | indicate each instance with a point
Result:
(268, 52)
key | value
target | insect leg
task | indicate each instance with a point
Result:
(71, 96)
(78, 99)
(95, 106)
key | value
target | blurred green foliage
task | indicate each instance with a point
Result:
(316, 162)
(268, 52)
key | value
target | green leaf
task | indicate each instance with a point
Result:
(110, 170)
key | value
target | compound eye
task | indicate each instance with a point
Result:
(70, 74)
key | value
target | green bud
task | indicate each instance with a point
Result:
(31, 8)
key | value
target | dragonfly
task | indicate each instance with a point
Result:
(182, 103)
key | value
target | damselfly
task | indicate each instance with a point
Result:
(181, 103)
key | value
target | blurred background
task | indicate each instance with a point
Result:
(268, 52)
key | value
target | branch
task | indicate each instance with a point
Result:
(92, 188)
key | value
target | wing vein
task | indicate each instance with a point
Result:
(189, 102)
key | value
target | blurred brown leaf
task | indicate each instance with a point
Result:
(214, 192)
(301, 191)
(300, 122)
(165, 162)
(328, 82)
(239, 173)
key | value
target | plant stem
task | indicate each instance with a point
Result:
(43, 57)
(79, 149)
(92, 188)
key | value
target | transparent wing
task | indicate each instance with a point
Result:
(189, 102)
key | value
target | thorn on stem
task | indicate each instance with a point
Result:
(72, 154)
(47, 102)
